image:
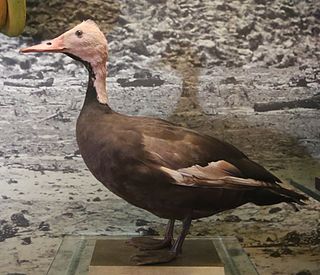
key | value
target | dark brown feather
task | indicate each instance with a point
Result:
(126, 154)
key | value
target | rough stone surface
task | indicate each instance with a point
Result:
(19, 220)
(202, 64)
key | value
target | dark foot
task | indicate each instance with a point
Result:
(153, 257)
(147, 243)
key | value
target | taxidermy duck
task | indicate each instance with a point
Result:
(170, 171)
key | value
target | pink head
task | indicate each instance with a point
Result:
(85, 42)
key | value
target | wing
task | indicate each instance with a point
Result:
(220, 174)
(224, 175)
(176, 147)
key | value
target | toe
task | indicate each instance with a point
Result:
(153, 257)
(147, 243)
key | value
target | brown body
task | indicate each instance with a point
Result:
(125, 154)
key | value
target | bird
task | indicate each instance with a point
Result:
(173, 172)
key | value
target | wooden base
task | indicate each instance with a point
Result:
(113, 257)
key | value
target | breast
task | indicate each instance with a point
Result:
(111, 150)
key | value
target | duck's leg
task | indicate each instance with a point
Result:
(147, 243)
(164, 256)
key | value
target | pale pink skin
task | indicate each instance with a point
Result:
(91, 47)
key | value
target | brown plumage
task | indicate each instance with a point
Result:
(173, 172)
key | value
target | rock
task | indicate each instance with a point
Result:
(262, 2)
(146, 230)
(269, 239)
(112, 228)
(68, 214)
(26, 241)
(289, 12)
(20, 220)
(10, 181)
(287, 61)
(302, 82)
(224, 7)
(203, 232)
(96, 199)
(138, 47)
(255, 40)
(82, 15)
(9, 61)
(285, 251)
(141, 222)
(158, 35)
(292, 237)
(40, 75)
(123, 20)
(207, 44)
(232, 218)
(78, 207)
(19, 262)
(229, 80)
(24, 65)
(275, 254)
(304, 272)
(142, 74)
(69, 157)
(315, 31)
(155, 2)
(7, 231)
(240, 238)
(141, 82)
(275, 210)
(43, 226)
(245, 29)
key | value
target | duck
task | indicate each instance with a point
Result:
(173, 172)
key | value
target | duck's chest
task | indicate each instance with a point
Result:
(111, 150)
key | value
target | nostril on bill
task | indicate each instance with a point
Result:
(49, 43)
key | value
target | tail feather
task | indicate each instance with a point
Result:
(293, 196)
(276, 195)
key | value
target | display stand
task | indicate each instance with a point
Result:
(113, 257)
(97, 255)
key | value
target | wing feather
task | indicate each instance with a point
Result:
(220, 174)
(224, 175)
(176, 147)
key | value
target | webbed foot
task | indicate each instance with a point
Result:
(153, 257)
(147, 243)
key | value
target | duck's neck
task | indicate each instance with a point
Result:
(97, 88)
(97, 80)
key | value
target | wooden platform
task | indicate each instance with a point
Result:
(113, 257)
(83, 255)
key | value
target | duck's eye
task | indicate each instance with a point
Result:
(79, 33)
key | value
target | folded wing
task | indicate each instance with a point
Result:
(221, 174)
